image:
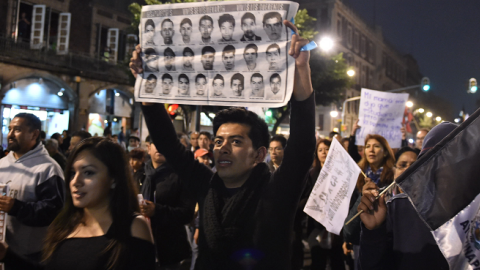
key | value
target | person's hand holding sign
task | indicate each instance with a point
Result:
(374, 213)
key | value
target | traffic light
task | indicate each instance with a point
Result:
(425, 84)
(472, 85)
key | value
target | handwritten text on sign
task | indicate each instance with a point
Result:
(328, 203)
(381, 113)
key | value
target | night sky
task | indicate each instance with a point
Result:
(444, 37)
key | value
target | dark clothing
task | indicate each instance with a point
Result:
(88, 253)
(174, 208)
(402, 242)
(270, 166)
(252, 228)
(139, 177)
(60, 159)
(353, 150)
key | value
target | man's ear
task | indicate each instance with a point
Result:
(36, 134)
(261, 154)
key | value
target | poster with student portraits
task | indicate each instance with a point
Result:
(232, 53)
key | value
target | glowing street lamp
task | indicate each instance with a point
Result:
(421, 110)
(351, 72)
(333, 113)
(409, 104)
(326, 44)
(429, 114)
(438, 118)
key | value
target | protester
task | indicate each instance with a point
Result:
(345, 143)
(277, 144)
(43, 137)
(52, 148)
(137, 163)
(246, 213)
(78, 137)
(36, 187)
(66, 141)
(420, 137)
(98, 227)
(202, 155)
(59, 139)
(194, 140)
(121, 136)
(184, 140)
(169, 206)
(353, 149)
(133, 142)
(393, 236)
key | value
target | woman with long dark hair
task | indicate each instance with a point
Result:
(98, 227)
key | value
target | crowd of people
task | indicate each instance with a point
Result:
(233, 200)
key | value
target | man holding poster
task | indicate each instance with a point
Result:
(246, 213)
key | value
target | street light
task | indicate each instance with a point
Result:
(351, 72)
(333, 113)
(429, 114)
(409, 104)
(457, 120)
(326, 44)
(438, 118)
(421, 110)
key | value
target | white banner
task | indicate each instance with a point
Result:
(329, 201)
(459, 238)
(381, 113)
(231, 53)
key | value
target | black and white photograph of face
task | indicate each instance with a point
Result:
(183, 85)
(256, 83)
(249, 26)
(188, 57)
(169, 59)
(226, 23)
(206, 27)
(167, 84)
(228, 57)
(151, 60)
(218, 85)
(149, 33)
(167, 31)
(237, 85)
(250, 55)
(273, 57)
(272, 24)
(208, 57)
(275, 83)
(201, 84)
(150, 83)
(186, 30)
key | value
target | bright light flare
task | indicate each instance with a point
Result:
(333, 113)
(351, 72)
(409, 104)
(429, 114)
(326, 44)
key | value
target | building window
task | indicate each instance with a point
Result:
(363, 45)
(349, 37)
(339, 28)
(356, 41)
(371, 52)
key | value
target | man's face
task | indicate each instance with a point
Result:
(250, 56)
(150, 85)
(154, 154)
(183, 86)
(133, 143)
(275, 84)
(136, 163)
(257, 85)
(276, 152)
(194, 139)
(152, 62)
(272, 55)
(186, 30)
(218, 87)
(237, 88)
(167, 85)
(201, 86)
(204, 159)
(169, 61)
(207, 60)
(227, 30)
(206, 28)
(234, 154)
(273, 28)
(187, 59)
(167, 32)
(228, 59)
(73, 142)
(248, 27)
(204, 142)
(149, 33)
(420, 136)
(20, 138)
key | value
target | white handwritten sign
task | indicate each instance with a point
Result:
(381, 113)
(328, 203)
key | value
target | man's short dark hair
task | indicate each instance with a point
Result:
(32, 122)
(149, 22)
(248, 15)
(166, 20)
(206, 17)
(218, 77)
(226, 18)
(256, 75)
(151, 51)
(187, 49)
(82, 134)
(258, 128)
(251, 46)
(151, 77)
(167, 76)
(199, 76)
(168, 52)
(228, 49)
(275, 75)
(148, 139)
(135, 138)
(137, 153)
(186, 20)
(206, 134)
(237, 76)
(183, 76)
(332, 134)
(271, 15)
(274, 45)
(208, 49)
(279, 138)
